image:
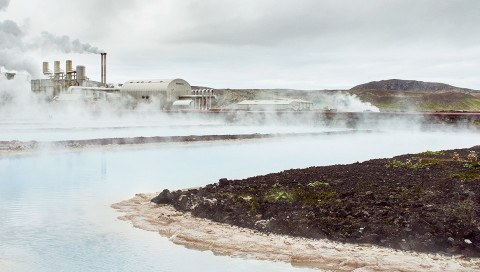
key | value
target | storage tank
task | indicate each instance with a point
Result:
(57, 67)
(69, 66)
(81, 75)
(46, 68)
(69, 69)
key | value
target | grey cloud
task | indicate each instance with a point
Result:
(4, 4)
(99, 19)
(328, 23)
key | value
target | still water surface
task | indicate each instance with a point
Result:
(55, 207)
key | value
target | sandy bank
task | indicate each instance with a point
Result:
(183, 229)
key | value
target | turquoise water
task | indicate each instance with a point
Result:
(56, 214)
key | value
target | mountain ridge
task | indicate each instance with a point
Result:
(410, 85)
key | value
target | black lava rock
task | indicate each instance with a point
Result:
(165, 197)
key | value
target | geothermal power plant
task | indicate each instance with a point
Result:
(74, 85)
(173, 95)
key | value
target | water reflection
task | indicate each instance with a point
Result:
(104, 166)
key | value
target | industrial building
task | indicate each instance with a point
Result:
(169, 90)
(174, 94)
(275, 105)
(89, 94)
(60, 81)
(74, 85)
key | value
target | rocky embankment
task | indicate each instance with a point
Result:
(32, 145)
(427, 202)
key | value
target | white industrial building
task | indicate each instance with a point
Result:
(171, 93)
(74, 85)
(88, 94)
(165, 91)
(59, 82)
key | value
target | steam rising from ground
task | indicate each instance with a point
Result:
(344, 102)
(26, 116)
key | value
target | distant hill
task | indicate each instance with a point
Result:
(401, 95)
(387, 95)
(410, 85)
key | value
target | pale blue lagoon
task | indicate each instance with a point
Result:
(55, 206)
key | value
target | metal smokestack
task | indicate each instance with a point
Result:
(103, 57)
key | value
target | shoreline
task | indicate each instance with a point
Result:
(19, 148)
(203, 234)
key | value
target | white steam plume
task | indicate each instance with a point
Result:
(12, 48)
(345, 102)
(4, 4)
(49, 41)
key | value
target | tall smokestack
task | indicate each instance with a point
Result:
(104, 68)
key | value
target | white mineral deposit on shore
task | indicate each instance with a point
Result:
(184, 229)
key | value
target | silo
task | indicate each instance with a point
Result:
(57, 70)
(81, 75)
(46, 68)
(57, 67)
(69, 69)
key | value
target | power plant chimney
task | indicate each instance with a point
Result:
(104, 68)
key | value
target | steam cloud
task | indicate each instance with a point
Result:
(65, 44)
(12, 47)
(4, 4)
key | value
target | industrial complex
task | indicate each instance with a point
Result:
(75, 85)
(171, 94)
(178, 95)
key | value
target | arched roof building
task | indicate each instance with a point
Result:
(167, 90)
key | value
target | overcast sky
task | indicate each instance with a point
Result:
(297, 44)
